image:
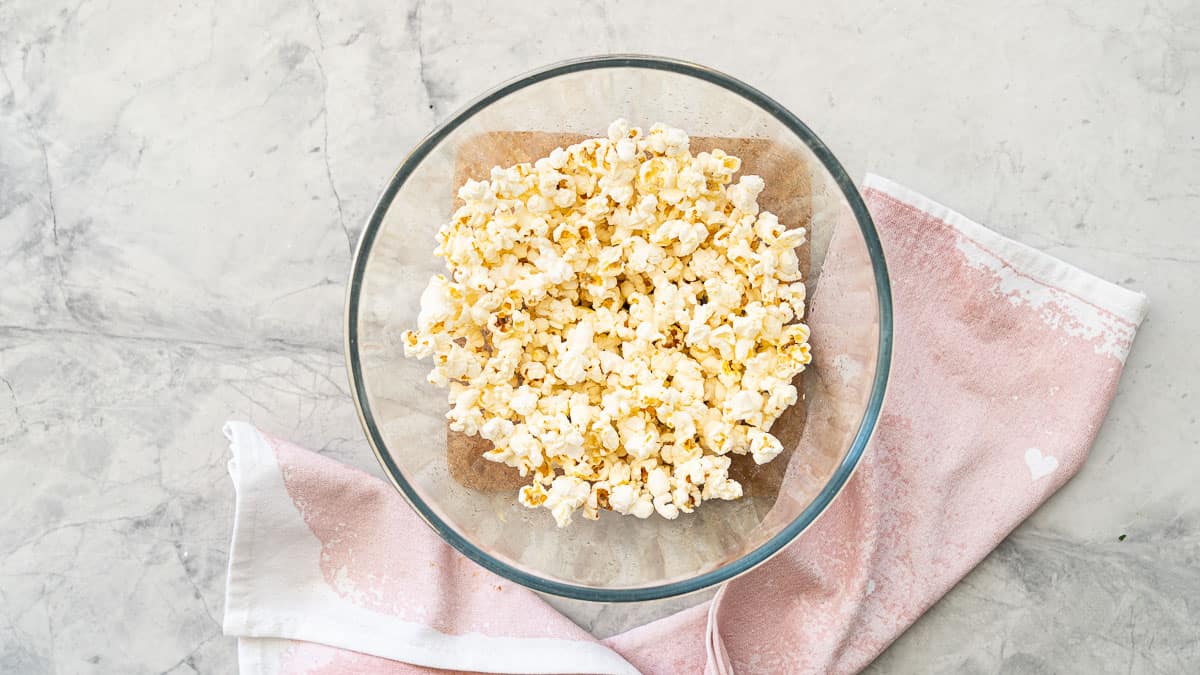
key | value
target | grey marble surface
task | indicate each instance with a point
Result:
(180, 185)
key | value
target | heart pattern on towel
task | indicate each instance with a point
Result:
(1040, 465)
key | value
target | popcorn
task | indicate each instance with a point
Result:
(763, 446)
(436, 305)
(619, 318)
(744, 195)
(572, 364)
(639, 438)
(566, 494)
(524, 400)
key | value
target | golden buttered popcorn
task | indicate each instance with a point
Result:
(619, 318)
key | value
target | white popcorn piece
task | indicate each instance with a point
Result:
(744, 195)
(497, 430)
(623, 497)
(643, 508)
(659, 482)
(572, 364)
(524, 400)
(763, 446)
(665, 506)
(639, 438)
(619, 130)
(437, 305)
(618, 319)
(566, 494)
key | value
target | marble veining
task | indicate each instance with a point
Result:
(181, 185)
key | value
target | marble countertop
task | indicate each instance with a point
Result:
(181, 184)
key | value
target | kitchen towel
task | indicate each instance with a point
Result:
(1005, 362)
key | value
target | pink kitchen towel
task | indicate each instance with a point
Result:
(1005, 362)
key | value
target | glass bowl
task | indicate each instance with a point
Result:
(622, 558)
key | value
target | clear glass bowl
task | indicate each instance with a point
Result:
(620, 558)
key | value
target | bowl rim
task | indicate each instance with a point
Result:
(840, 475)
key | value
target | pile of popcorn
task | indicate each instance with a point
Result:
(620, 318)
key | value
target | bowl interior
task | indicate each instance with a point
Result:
(622, 558)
